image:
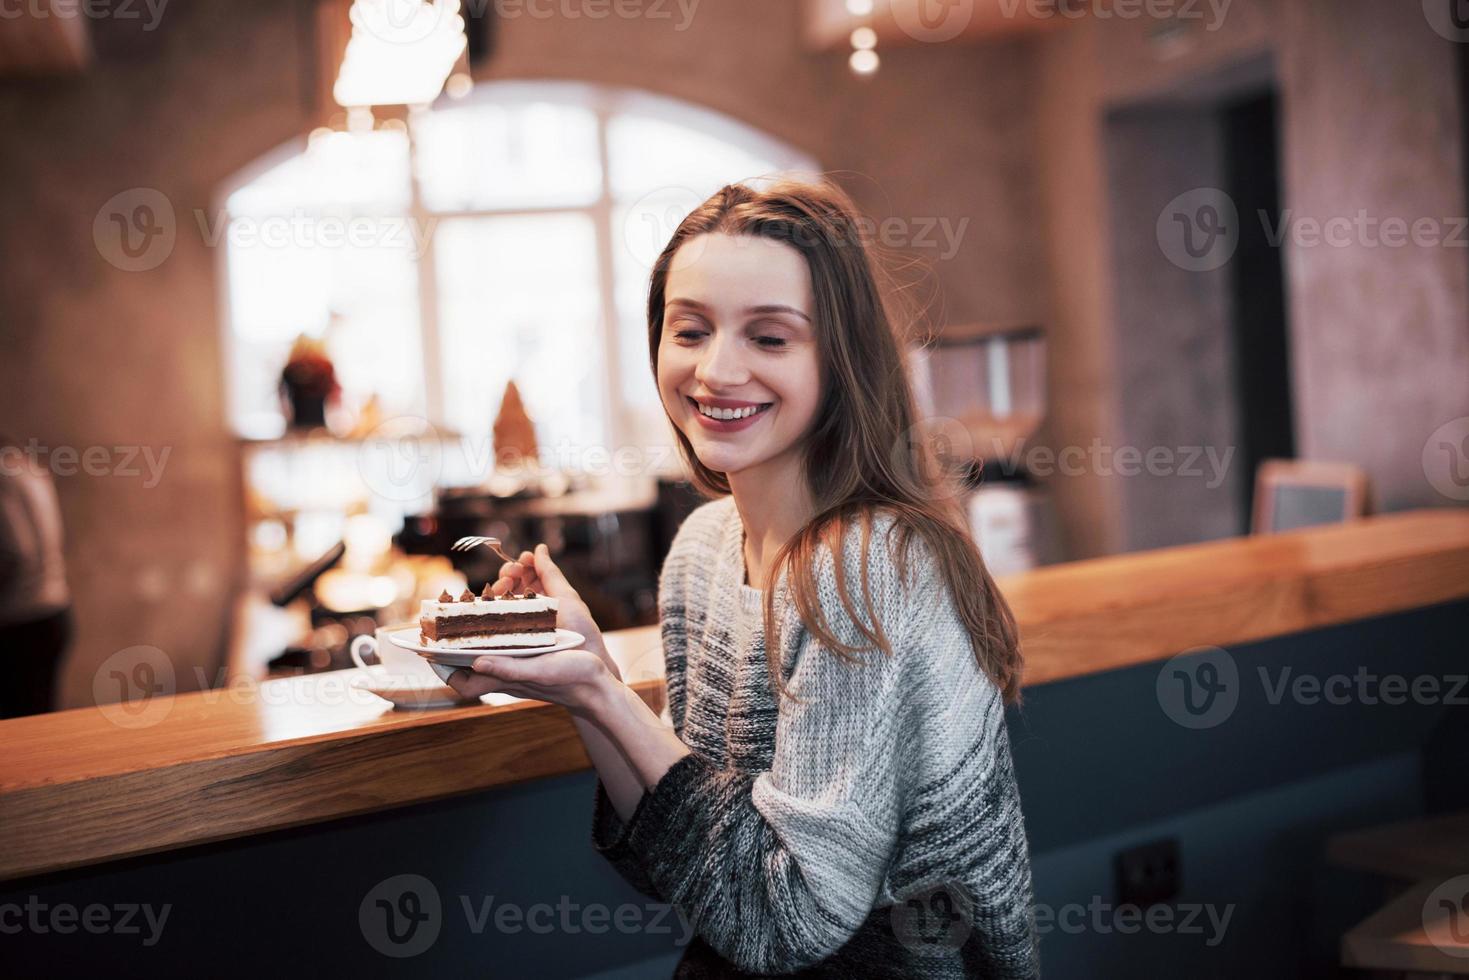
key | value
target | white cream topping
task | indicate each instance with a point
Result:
(434, 609)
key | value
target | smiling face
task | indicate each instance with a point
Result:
(737, 362)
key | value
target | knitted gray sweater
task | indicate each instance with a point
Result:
(874, 828)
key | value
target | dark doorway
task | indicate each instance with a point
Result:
(1259, 325)
(1203, 339)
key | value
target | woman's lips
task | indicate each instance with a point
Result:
(727, 425)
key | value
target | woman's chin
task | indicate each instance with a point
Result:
(721, 459)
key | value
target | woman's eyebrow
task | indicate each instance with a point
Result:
(694, 304)
(778, 308)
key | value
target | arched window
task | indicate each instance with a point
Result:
(505, 236)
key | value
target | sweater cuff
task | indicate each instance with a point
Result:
(689, 797)
(609, 833)
(613, 838)
(610, 839)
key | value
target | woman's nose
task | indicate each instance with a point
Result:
(722, 365)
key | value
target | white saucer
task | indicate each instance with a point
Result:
(409, 693)
(408, 640)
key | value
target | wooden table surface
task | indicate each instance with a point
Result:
(88, 785)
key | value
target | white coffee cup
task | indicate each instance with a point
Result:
(395, 664)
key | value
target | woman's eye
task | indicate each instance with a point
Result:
(687, 334)
(771, 343)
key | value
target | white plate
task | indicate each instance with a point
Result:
(408, 640)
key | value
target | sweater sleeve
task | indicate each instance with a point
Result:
(609, 831)
(609, 838)
(777, 870)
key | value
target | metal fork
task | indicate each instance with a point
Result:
(474, 541)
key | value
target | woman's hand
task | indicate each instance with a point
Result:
(535, 571)
(576, 679)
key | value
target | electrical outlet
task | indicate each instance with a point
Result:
(1149, 873)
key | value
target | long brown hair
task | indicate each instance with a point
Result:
(864, 455)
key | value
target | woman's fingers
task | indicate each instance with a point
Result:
(477, 683)
(516, 575)
(472, 685)
(533, 571)
(532, 575)
(506, 581)
(555, 582)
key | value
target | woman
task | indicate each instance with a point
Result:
(840, 801)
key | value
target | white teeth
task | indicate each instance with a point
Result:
(726, 414)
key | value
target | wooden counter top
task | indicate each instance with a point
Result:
(1106, 613)
(77, 788)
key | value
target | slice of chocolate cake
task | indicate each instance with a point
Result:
(489, 622)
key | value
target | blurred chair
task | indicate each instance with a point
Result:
(1423, 929)
(1296, 493)
(1424, 932)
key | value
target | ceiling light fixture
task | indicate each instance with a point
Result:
(400, 53)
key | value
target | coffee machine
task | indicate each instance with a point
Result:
(981, 391)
